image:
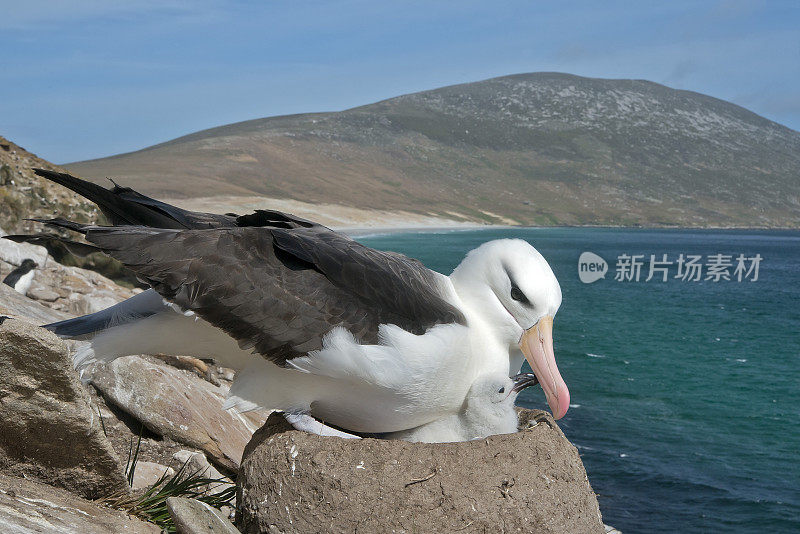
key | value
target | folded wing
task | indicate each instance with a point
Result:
(280, 290)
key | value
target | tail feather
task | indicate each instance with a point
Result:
(137, 307)
(50, 240)
(59, 222)
(83, 357)
(118, 210)
(124, 206)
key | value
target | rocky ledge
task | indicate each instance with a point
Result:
(68, 290)
(49, 430)
(27, 506)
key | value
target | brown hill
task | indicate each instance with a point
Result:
(23, 194)
(540, 148)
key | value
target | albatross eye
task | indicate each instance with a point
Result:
(502, 390)
(518, 295)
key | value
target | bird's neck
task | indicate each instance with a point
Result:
(484, 311)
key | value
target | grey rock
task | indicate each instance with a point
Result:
(27, 506)
(194, 517)
(176, 404)
(124, 431)
(531, 481)
(78, 291)
(226, 374)
(13, 253)
(146, 474)
(43, 294)
(19, 306)
(49, 429)
(71, 290)
(197, 463)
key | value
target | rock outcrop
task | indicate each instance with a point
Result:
(12, 304)
(49, 430)
(179, 405)
(531, 481)
(71, 290)
(27, 506)
(23, 194)
(13, 253)
(74, 290)
(194, 517)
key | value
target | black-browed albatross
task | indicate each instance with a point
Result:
(313, 321)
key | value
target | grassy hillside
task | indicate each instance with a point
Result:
(541, 148)
(23, 194)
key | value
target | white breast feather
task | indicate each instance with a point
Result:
(24, 282)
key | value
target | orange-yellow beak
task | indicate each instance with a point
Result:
(537, 346)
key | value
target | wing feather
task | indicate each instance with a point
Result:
(280, 290)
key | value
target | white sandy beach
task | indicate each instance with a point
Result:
(350, 220)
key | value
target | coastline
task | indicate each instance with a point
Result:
(362, 221)
(346, 219)
(363, 231)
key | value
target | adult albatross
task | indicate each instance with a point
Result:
(313, 321)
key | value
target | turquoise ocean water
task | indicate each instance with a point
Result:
(686, 395)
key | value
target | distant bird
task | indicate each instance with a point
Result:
(21, 277)
(488, 410)
(313, 321)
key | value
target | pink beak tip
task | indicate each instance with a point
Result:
(560, 405)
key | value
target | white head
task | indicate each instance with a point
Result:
(512, 287)
(489, 405)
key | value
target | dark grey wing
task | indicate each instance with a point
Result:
(182, 218)
(274, 219)
(124, 206)
(384, 280)
(277, 290)
(51, 240)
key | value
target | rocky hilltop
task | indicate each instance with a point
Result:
(542, 148)
(23, 194)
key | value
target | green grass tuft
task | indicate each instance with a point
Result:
(151, 505)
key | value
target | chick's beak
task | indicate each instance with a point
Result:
(537, 346)
(523, 380)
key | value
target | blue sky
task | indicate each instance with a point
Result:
(91, 78)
